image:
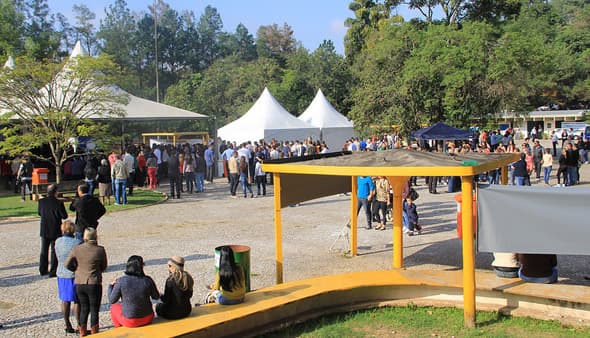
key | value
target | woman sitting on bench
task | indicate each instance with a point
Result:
(538, 268)
(230, 284)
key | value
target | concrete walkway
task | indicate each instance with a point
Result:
(195, 224)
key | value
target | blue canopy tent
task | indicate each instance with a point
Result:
(440, 131)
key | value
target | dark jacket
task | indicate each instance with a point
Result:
(88, 261)
(52, 212)
(200, 165)
(173, 166)
(176, 303)
(520, 169)
(104, 174)
(135, 293)
(88, 210)
(412, 212)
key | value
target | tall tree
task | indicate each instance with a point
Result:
(48, 103)
(275, 42)
(331, 74)
(367, 14)
(11, 28)
(115, 31)
(209, 29)
(84, 27)
(41, 40)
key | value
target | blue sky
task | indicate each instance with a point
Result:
(311, 20)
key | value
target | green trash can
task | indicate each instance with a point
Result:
(242, 258)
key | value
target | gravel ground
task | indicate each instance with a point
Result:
(194, 225)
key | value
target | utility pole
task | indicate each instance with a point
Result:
(156, 48)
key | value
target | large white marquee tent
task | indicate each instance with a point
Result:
(334, 127)
(267, 119)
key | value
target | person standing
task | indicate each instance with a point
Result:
(245, 177)
(88, 261)
(65, 278)
(382, 201)
(365, 191)
(210, 160)
(25, 177)
(260, 177)
(120, 175)
(88, 210)
(547, 163)
(152, 169)
(554, 139)
(189, 173)
(129, 161)
(537, 158)
(519, 170)
(90, 176)
(200, 170)
(104, 182)
(225, 156)
(234, 173)
(52, 212)
(174, 175)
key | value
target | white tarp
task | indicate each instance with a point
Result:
(335, 128)
(267, 119)
(524, 219)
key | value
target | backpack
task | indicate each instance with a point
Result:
(413, 194)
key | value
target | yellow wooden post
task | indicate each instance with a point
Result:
(468, 252)
(398, 240)
(278, 228)
(353, 217)
(504, 179)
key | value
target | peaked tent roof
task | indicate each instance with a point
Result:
(441, 131)
(9, 62)
(320, 113)
(266, 119)
(137, 108)
(143, 109)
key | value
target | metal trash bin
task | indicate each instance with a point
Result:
(242, 258)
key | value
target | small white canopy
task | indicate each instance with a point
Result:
(267, 119)
(335, 128)
(9, 64)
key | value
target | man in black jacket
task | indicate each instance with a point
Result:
(52, 212)
(88, 210)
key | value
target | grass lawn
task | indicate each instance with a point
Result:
(414, 321)
(11, 206)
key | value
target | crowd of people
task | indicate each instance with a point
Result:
(78, 262)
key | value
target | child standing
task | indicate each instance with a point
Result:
(410, 210)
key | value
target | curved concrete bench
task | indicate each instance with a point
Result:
(297, 301)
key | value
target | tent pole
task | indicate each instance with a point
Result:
(468, 252)
(353, 217)
(398, 186)
(278, 228)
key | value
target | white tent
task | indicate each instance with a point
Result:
(335, 128)
(142, 109)
(267, 119)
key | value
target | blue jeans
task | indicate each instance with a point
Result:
(199, 181)
(91, 185)
(519, 180)
(572, 174)
(245, 185)
(546, 173)
(121, 191)
(543, 280)
(364, 203)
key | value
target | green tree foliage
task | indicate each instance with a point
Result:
(84, 28)
(11, 28)
(41, 40)
(275, 42)
(46, 103)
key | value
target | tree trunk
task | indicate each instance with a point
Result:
(58, 174)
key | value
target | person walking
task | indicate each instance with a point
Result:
(88, 261)
(104, 182)
(382, 201)
(52, 212)
(25, 177)
(234, 173)
(88, 210)
(245, 177)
